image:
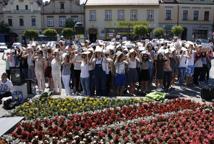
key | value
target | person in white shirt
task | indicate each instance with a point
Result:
(56, 72)
(77, 62)
(132, 70)
(40, 70)
(6, 87)
(120, 78)
(66, 73)
(182, 66)
(84, 75)
(190, 66)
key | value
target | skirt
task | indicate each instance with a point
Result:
(132, 76)
(144, 75)
(120, 80)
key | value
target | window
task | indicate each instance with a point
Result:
(33, 21)
(21, 22)
(133, 15)
(62, 20)
(92, 15)
(26, 7)
(150, 15)
(10, 22)
(108, 15)
(206, 15)
(195, 15)
(62, 5)
(185, 15)
(50, 21)
(120, 15)
(168, 14)
(17, 7)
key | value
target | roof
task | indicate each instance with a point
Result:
(121, 2)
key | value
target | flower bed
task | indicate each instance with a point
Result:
(193, 127)
(41, 108)
(61, 127)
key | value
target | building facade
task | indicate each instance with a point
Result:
(23, 14)
(2, 5)
(196, 16)
(107, 18)
(56, 12)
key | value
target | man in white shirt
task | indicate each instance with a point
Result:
(6, 87)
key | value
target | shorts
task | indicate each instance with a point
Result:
(120, 80)
(190, 70)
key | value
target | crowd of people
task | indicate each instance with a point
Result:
(110, 68)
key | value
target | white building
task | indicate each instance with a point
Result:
(2, 4)
(23, 14)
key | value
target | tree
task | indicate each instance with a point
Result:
(67, 33)
(140, 30)
(4, 28)
(69, 23)
(158, 32)
(31, 34)
(50, 32)
(177, 30)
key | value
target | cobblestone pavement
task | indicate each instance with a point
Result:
(186, 92)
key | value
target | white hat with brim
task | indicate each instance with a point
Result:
(85, 53)
(64, 55)
(91, 49)
(166, 51)
(119, 53)
(141, 48)
(183, 49)
(161, 51)
(98, 49)
(172, 48)
(56, 51)
(106, 51)
(132, 51)
(8, 51)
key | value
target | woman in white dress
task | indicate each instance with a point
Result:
(56, 72)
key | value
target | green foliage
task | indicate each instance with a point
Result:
(67, 33)
(31, 34)
(177, 30)
(50, 32)
(140, 30)
(69, 23)
(158, 32)
(4, 28)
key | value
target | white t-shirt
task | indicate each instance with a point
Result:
(55, 66)
(183, 61)
(190, 61)
(6, 87)
(77, 63)
(84, 70)
(120, 68)
(132, 64)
